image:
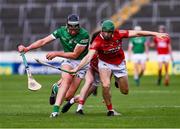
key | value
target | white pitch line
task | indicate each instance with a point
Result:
(141, 107)
(155, 91)
(157, 106)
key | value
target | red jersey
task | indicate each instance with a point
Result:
(162, 44)
(110, 51)
(94, 63)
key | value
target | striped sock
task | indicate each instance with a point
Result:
(55, 88)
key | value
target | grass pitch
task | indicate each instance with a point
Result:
(146, 106)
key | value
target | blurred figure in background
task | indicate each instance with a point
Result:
(164, 51)
(138, 46)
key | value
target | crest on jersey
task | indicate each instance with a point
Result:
(118, 41)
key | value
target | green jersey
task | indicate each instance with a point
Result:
(69, 42)
(138, 44)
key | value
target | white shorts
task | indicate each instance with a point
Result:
(117, 70)
(163, 58)
(73, 63)
(139, 58)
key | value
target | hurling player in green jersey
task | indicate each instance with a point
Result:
(138, 46)
(75, 41)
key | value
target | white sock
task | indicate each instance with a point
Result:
(80, 107)
(136, 77)
(72, 101)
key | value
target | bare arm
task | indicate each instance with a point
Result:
(39, 43)
(170, 52)
(72, 55)
(135, 33)
(129, 51)
(147, 50)
(85, 60)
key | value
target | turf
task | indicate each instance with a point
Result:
(146, 106)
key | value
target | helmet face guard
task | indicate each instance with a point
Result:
(107, 35)
(73, 24)
(73, 29)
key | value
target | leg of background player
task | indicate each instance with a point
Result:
(166, 81)
(159, 73)
(136, 74)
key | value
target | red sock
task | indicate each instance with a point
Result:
(109, 107)
(81, 101)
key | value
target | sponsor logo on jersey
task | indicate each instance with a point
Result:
(118, 41)
(84, 40)
(112, 50)
(162, 44)
(72, 41)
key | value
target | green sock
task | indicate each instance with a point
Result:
(56, 108)
(55, 88)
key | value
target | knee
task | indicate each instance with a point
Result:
(105, 85)
(143, 69)
(125, 91)
(89, 82)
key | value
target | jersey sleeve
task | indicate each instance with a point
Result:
(124, 33)
(55, 34)
(58, 33)
(168, 40)
(94, 36)
(155, 40)
(95, 45)
(84, 40)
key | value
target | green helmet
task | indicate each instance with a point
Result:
(108, 25)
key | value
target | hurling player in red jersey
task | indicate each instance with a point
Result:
(164, 51)
(92, 81)
(108, 46)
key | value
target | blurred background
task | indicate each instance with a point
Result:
(25, 21)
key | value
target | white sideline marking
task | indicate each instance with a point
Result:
(158, 106)
(142, 107)
(154, 91)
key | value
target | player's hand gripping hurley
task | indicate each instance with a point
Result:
(32, 83)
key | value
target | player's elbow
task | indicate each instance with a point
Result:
(74, 56)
